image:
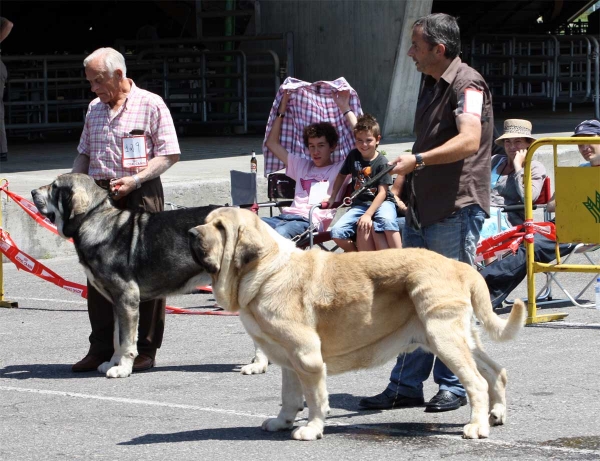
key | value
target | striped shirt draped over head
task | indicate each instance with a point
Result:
(310, 103)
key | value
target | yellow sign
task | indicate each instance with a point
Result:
(577, 204)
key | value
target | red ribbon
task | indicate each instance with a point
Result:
(29, 264)
(30, 209)
(547, 229)
(510, 239)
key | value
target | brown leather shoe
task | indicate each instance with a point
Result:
(89, 363)
(142, 363)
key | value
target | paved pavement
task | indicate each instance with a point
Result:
(195, 405)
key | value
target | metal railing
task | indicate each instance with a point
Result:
(527, 68)
(45, 92)
(194, 84)
(200, 87)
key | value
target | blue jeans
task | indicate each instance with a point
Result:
(384, 219)
(288, 225)
(456, 238)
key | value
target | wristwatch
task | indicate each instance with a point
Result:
(420, 162)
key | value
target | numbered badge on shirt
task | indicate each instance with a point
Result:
(134, 151)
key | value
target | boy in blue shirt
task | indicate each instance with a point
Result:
(373, 211)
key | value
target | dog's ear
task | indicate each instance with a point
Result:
(248, 247)
(206, 247)
(80, 201)
(72, 202)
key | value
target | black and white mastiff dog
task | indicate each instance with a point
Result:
(128, 256)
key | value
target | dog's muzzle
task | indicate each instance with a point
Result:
(40, 202)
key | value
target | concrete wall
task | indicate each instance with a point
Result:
(406, 80)
(357, 40)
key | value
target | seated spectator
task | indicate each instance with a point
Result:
(372, 211)
(589, 152)
(503, 276)
(507, 177)
(315, 177)
(399, 194)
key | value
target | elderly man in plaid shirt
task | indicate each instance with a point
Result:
(128, 141)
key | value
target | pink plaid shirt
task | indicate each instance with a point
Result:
(102, 136)
(310, 103)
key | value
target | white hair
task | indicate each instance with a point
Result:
(111, 59)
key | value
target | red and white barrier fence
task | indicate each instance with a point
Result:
(510, 239)
(29, 264)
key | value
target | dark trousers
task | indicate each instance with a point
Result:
(149, 197)
(503, 276)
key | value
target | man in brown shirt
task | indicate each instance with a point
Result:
(448, 181)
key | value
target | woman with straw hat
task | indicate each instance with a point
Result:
(507, 176)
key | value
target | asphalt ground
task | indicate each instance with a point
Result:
(196, 405)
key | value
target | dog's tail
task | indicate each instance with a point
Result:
(498, 328)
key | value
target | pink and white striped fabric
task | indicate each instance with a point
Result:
(310, 103)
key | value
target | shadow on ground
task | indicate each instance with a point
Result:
(372, 432)
(63, 371)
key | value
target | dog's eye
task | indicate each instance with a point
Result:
(219, 226)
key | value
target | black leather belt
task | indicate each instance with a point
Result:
(103, 183)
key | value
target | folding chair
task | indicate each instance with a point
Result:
(546, 296)
(243, 188)
(280, 191)
(314, 237)
(507, 242)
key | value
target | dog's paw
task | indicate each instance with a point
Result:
(498, 415)
(118, 372)
(476, 431)
(276, 424)
(307, 433)
(254, 368)
(106, 366)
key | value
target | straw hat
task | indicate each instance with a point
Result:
(515, 128)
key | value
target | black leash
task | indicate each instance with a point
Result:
(371, 182)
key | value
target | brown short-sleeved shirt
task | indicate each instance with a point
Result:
(441, 190)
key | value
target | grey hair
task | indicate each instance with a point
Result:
(111, 59)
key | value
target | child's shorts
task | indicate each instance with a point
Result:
(383, 220)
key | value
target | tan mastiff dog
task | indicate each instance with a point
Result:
(314, 312)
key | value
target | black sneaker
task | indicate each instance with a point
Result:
(445, 401)
(3, 156)
(388, 400)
